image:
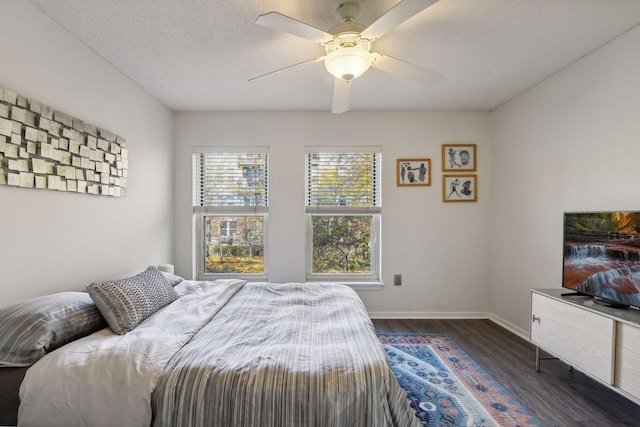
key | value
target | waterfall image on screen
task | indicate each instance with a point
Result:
(602, 255)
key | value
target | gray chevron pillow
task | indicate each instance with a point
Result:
(127, 302)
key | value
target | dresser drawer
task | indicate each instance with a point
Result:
(627, 375)
(579, 337)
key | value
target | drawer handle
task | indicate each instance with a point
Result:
(535, 319)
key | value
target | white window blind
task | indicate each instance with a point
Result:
(343, 179)
(232, 178)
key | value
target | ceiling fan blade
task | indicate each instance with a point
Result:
(280, 22)
(404, 69)
(286, 68)
(395, 16)
(341, 92)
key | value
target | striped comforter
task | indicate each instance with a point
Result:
(271, 355)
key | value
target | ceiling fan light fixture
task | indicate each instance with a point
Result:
(348, 63)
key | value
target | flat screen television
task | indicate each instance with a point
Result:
(602, 256)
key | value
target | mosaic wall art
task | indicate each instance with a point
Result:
(44, 148)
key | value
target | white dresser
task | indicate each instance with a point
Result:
(602, 342)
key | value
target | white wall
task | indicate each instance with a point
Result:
(571, 143)
(439, 248)
(51, 241)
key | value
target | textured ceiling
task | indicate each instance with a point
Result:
(198, 55)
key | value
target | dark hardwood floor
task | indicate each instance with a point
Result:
(556, 395)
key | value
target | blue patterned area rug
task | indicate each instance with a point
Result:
(447, 388)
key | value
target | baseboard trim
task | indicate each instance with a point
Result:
(429, 315)
(509, 326)
(451, 315)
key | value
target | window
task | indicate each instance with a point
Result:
(226, 227)
(230, 207)
(343, 206)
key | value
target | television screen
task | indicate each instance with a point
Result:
(602, 256)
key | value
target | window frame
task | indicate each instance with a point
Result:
(200, 213)
(373, 279)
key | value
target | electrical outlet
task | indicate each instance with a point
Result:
(397, 280)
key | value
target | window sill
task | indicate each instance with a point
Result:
(357, 286)
(248, 278)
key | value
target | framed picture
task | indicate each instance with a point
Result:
(458, 157)
(459, 188)
(413, 172)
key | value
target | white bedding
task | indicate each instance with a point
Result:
(107, 379)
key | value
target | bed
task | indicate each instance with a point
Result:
(223, 353)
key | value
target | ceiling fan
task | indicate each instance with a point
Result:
(348, 46)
